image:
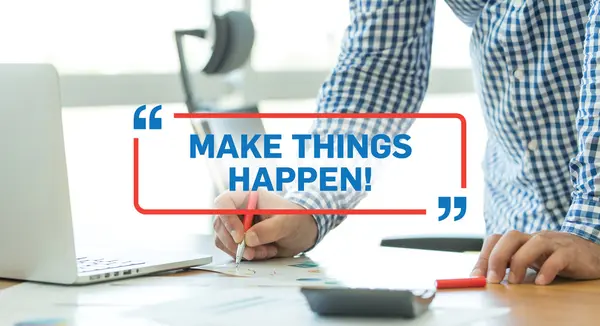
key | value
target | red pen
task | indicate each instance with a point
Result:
(248, 218)
(460, 283)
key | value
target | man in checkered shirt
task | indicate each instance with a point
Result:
(536, 65)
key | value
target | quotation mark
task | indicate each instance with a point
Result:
(446, 204)
(153, 121)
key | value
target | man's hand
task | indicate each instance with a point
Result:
(273, 236)
(550, 253)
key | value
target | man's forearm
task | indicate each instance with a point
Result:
(583, 217)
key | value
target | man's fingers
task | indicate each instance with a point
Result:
(221, 246)
(502, 253)
(232, 223)
(263, 252)
(481, 266)
(268, 231)
(558, 261)
(233, 226)
(537, 248)
(249, 253)
(224, 242)
(233, 199)
(224, 237)
(260, 252)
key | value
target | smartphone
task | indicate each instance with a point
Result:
(367, 302)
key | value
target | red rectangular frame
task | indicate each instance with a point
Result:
(418, 115)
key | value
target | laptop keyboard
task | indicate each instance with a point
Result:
(90, 264)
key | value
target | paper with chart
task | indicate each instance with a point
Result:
(33, 303)
(271, 306)
(296, 271)
(346, 271)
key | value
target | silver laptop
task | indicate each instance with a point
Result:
(37, 240)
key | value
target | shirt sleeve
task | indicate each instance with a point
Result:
(583, 217)
(383, 67)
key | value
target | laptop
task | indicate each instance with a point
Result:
(37, 240)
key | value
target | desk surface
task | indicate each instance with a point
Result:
(5, 284)
(562, 303)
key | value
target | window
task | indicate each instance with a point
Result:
(101, 37)
(109, 52)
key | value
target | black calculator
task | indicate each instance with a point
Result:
(368, 302)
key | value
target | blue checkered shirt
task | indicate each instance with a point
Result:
(536, 65)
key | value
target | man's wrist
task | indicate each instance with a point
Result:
(583, 219)
(315, 200)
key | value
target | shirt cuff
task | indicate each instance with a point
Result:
(583, 219)
(317, 200)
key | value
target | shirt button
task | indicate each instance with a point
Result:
(519, 74)
(532, 145)
(517, 3)
(551, 204)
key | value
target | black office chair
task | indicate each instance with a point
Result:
(451, 243)
(232, 38)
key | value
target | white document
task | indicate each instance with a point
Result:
(70, 317)
(356, 271)
(274, 306)
(100, 304)
(98, 296)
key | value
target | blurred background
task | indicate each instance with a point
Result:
(113, 56)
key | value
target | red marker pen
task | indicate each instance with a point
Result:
(460, 283)
(248, 219)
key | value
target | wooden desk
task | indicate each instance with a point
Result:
(569, 303)
(5, 284)
(562, 303)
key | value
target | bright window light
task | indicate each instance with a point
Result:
(102, 37)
